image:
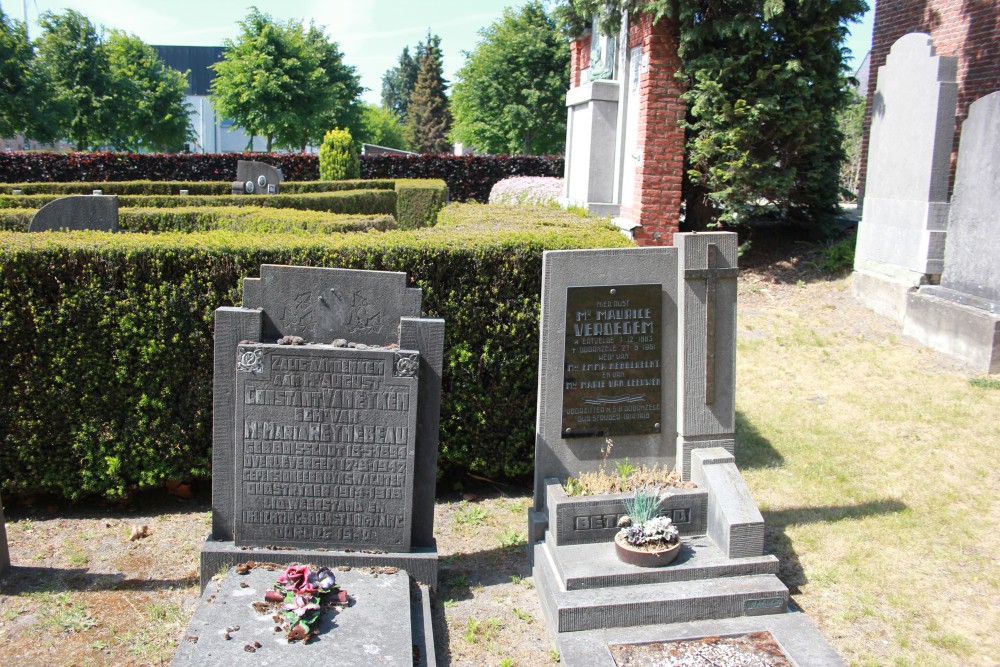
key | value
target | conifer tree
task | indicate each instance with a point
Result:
(428, 116)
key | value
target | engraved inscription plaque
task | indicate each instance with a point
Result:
(611, 369)
(325, 447)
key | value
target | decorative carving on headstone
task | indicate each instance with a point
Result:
(250, 360)
(407, 364)
(711, 275)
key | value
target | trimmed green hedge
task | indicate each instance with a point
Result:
(414, 202)
(107, 339)
(348, 201)
(232, 218)
(193, 187)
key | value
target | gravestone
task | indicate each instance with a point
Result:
(76, 213)
(637, 364)
(256, 178)
(325, 439)
(4, 551)
(329, 442)
(901, 237)
(961, 316)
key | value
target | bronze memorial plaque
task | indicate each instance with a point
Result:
(611, 368)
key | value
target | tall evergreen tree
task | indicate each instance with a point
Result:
(428, 114)
(398, 82)
(510, 96)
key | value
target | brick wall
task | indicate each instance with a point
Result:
(968, 29)
(660, 138)
(579, 59)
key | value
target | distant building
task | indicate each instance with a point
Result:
(213, 134)
(862, 74)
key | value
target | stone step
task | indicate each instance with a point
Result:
(655, 603)
(593, 566)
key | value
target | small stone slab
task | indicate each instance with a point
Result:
(77, 213)
(375, 629)
(793, 632)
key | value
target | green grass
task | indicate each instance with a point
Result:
(874, 465)
(471, 515)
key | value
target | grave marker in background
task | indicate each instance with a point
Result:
(901, 237)
(256, 178)
(77, 213)
(961, 316)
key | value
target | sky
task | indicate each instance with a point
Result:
(370, 33)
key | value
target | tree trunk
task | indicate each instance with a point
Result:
(698, 210)
(270, 140)
(250, 144)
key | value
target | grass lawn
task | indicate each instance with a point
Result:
(874, 463)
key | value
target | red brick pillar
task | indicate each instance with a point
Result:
(579, 59)
(660, 141)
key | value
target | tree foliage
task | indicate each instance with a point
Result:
(398, 82)
(16, 58)
(381, 127)
(764, 82)
(152, 113)
(76, 71)
(510, 96)
(285, 82)
(428, 114)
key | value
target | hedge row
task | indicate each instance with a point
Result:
(469, 178)
(193, 187)
(235, 219)
(33, 167)
(414, 202)
(107, 340)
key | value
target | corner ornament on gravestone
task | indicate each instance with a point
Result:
(77, 213)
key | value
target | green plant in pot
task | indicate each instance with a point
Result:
(646, 538)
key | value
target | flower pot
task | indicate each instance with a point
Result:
(643, 557)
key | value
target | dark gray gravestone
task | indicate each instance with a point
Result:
(4, 552)
(256, 178)
(319, 445)
(76, 213)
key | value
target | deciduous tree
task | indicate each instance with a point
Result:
(510, 94)
(151, 112)
(381, 127)
(16, 56)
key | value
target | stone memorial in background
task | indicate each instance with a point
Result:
(256, 178)
(325, 436)
(901, 237)
(4, 552)
(637, 367)
(961, 316)
(77, 213)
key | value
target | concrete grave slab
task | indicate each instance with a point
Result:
(77, 213)
(902, 231)
(386, 624)
(794, 633)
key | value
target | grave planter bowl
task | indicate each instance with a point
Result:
(644, 557)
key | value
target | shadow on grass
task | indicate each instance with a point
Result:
(20, 580)
(778, 542)
(753, 450)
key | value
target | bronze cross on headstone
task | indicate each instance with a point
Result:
(710, 275)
